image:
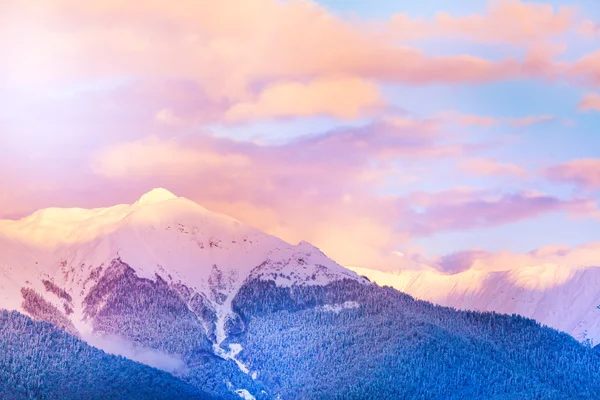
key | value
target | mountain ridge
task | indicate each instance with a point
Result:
(562, 297)
(166, 282)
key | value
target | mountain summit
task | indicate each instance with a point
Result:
(157, 195)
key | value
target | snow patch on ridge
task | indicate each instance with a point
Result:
(244, 394)
(234, 350)
(337, 308)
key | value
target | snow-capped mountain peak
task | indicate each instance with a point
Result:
(156, 195)
(159, 237)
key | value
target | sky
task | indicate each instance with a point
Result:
(386, 133)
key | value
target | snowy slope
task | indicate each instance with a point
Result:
(562, 297)
(214, 255)
(18, 264)
(159, 235)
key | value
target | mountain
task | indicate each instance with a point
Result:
(131, 278)
(39, 361)
(242, 314)
(171, 239)
(563, 297)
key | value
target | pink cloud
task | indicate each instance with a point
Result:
(586, 70)
(588, 28)
(466, 119)
(485, 167)
(346, 98)
(155, 157)
(233, 51)
(583, 172)
(427, 126)
(354, 149)
(590, 101)
(477, 120)
(529, 120)
(460, 261)
(509, 21)
(228, 48)
(487, 121)
(550, 255)
(504, 21)
(473, 209)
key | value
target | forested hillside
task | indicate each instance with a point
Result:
(39, 361)
(347, 340)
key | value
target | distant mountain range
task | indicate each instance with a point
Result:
(233, 312)
(564, 297)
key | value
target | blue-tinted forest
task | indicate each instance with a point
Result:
(39, 361)
(301, 343)
(393, 347)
